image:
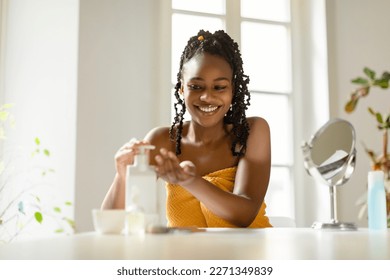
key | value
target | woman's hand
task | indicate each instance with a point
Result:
(170, 169)
(115, 197)
(125, 156)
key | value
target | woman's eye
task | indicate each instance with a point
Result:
(220, 87)
(194, 87)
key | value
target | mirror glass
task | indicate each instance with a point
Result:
(330, 158)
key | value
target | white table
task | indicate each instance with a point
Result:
(222, 244)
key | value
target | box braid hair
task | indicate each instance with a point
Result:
(221, 44)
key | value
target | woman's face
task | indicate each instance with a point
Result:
(207, 88)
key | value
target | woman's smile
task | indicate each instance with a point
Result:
(208, 108)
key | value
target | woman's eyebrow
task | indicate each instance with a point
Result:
(196, 79)
(215, 80)
(222, 79)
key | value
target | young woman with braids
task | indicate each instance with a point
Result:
(217, 164)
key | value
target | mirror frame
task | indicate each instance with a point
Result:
(346, 166)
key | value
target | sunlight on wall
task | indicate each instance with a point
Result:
(40, 71)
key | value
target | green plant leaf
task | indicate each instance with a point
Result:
(385, 76)
(360, 81)
(68, 203)
(388, 121)
(4, 116)
(57, 209)
(372, 112)
(370, 73)
(37, 141)
(379, 117)
(46, 152)
(59, 230)
(70, 222)
(382, 83)
(38, 217)
(7, 106)
(351, 105)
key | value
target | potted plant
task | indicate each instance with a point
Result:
(381, 160)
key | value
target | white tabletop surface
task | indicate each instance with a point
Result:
(223, 244)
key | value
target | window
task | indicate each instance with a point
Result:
(263, 31)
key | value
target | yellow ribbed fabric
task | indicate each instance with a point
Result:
(184, 210)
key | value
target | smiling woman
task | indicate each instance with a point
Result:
(264, 32)
(217, 164)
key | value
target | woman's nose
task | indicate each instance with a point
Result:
(205, 96)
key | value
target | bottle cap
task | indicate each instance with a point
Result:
(141, 158)
(143, 148)
(375, 177)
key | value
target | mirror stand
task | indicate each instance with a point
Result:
(334, 223)
(330, 158)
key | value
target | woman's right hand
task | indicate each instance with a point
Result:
(125, 156)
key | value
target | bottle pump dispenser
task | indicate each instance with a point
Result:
(141, 190)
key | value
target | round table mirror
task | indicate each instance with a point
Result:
(330, 158)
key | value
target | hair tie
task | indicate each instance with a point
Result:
(201, 38)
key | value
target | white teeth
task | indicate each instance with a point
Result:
(208, 109)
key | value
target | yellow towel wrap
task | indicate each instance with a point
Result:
(184, 210)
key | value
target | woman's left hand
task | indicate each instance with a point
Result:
(170, 169)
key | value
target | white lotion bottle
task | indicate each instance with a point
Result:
(376, 201)
(141, 192)
(135, 214)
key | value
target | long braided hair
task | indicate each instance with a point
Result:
(221, 44)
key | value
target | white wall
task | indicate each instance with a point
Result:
(85, 77)
(358, 36)
(118, 91)
(39, 76)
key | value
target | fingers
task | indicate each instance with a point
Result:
(168, 165)
(125, 155)
(171, 170)
(188, 167)
(132, 146)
